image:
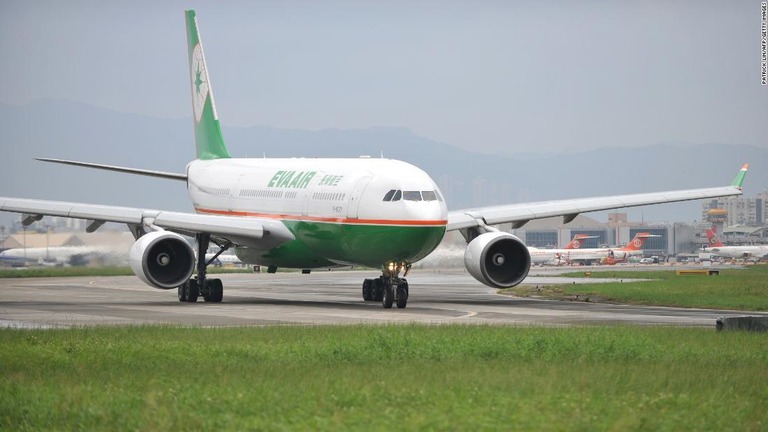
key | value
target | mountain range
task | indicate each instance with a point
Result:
(72, 130)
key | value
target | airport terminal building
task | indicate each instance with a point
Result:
(673, 238)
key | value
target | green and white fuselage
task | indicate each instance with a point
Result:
(335, 208)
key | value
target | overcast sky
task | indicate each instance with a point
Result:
(495, 76)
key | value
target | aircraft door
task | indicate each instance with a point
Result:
(356, 195)
(234, 203)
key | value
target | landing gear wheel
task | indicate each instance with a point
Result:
(389, 296)
(402, 295)
(183, 291)
(215, 291)
(378, 289)
(212, 290)
(191, 291)
(368, 290)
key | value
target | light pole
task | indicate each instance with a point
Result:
(47, 242)
(24, 236)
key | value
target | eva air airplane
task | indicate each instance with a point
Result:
(316, 213)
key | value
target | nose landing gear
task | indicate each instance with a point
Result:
(389, 288)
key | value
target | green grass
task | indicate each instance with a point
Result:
(738, 289)
(64, 272)
(382, 378)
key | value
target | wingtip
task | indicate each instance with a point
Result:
(738, 181)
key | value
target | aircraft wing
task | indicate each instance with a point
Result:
(256, 232)
(519, 214)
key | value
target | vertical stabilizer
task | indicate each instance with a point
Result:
(208, 138)
(578, 241)
(637, 243)
(713, 239)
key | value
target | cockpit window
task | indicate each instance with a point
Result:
(429, 195)
(397, 195)
(412, 195)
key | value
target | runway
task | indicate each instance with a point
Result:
(315, 299)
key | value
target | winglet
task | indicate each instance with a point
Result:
(208, 138)
(739, 179)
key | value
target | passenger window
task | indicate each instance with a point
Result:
(412, 195)
(429, 195)
(389, 195)
(397, 196)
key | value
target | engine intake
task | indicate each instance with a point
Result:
(162, 259)
(497, 259)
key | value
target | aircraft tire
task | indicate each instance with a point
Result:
(182, 291)
(378, 289)
(388, 296)
(215, 291)
(402, 295)
(191, 290)
(368, 294)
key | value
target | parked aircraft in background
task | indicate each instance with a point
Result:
(58, 255)
(223, 259)
(598, 255)
(716, 246)
(555, 256)
(316, 213)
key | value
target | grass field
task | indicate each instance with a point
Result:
(739, 289)
(382, 378)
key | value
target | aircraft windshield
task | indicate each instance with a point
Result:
(412, 195)
(396, 195)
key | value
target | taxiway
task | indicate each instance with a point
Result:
(315, 299)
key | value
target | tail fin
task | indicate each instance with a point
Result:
(208, 138)
(739, 179)
(577, 241)
(637, 242)
(714, 240)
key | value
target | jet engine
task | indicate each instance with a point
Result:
(162, 259)
(497, 259)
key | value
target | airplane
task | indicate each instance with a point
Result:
(315, 213)
(56, 255)
(633, 248)
(716, 246)
(223, 259)
(601, 255)
(555, 256)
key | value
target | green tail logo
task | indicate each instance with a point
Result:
(738, 181)
(208, 137)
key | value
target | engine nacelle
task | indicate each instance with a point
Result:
(162, 259)
(497, 259)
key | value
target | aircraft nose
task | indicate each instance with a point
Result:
(428, 212)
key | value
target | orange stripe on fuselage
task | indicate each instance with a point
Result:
(402, 222)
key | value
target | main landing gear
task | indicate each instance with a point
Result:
(212, 290)
(389, 288)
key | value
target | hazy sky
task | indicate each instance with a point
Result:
(495, 76)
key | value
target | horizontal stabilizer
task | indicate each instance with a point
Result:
(150, 173)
